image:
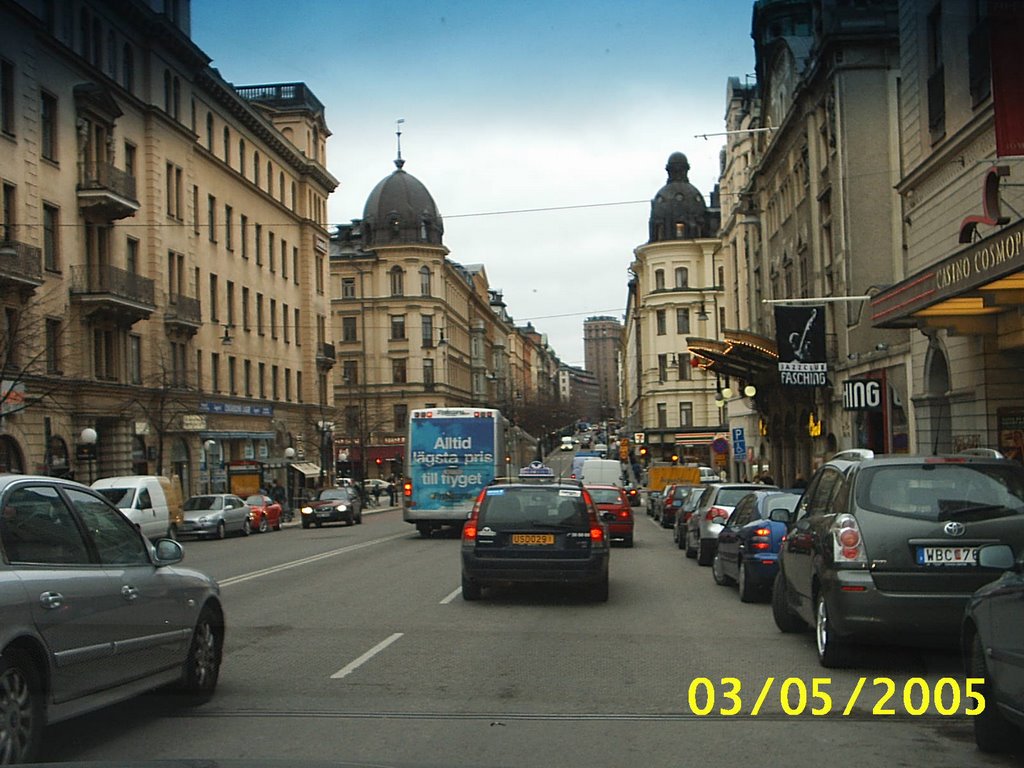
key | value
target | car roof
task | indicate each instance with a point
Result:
(11, 478)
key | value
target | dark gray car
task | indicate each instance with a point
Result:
(885, 549)
(69, 558)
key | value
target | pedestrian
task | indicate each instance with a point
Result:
(766, 479)
(376, 494)
(391, 494)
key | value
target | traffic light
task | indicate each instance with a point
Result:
(675, 458)
(378, 461)
(643, 451)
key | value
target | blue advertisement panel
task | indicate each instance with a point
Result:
(450, 460)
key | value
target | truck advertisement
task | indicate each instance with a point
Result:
(451, 454)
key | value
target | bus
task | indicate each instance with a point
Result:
(451, 454)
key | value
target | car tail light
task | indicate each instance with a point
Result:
(761, 539)
(716, 512)
(847, 542)
(624, 514)
(596, 533)
(407, 488)
(469, 529)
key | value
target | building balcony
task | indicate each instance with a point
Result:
(21, 265)
(106, 193)
(183, 314)
(105, 291)
(325, 355)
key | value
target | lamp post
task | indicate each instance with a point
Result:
(289, 455)
(88, 439)
(208, 446)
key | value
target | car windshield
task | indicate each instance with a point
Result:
(605, 495)
(516, 506)
(119, 497)
(203, 502)
(334, 494)
(942, 490)
(257, 501)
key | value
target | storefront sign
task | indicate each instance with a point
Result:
(193, 422)
(862, 395)
(236, 409)
(800, 337)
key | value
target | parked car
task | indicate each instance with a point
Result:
(685, 512)
(215, 515)
(333, 505)
(653, 502)
(885, 549)
(749, 543)
(264, 513)
(535, 533)
(611, 498)
(716, 504)
(85, 559)
(152, 502)
(992, 644)
(673, 501)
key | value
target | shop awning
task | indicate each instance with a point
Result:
(307, 468)
(739, 354)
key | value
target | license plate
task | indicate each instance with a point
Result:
(544, 539)
(947, 555)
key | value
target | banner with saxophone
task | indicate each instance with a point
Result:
(800, 336)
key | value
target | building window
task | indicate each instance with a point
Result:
(104, 355)
(685, 414)
(397, 278)
(129, 158)
(261, 383)
(398, 371)
(284, 324)
(259, 245)
(659, 279)
(247, 376)
(424, 281)
(397, 327)
(7, 201)
(134, 359)
(175, 181)
(232, 375)
(131, 255)
(48, 126)
(350, 372)
(428, 371)
(682, 320)
(427, 331)
(53, 346)
(51, 238)
(241, 156)
(298, 386)
(256, 168)
(319, 272)
(270, 251)
(245, 309)
(175, 275)
(167, 91)
(936, 76)
(288, 384)
(128, 67)
(211, 215)
(259, 313)
(348, 287)
(284, 259)
(298, 325)
(682, 277)
(209, 131)
(230, 302)
(273, 318)
(295, 265)
(348, 329)
(274, 391)
(662, 410)
(659, 317)
(243, 222)
(662, 368)
(227, 145)
(401, 411)
(683, 365)
(215, 371)
(213, 299)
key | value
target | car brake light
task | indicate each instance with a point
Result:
(469, 529)
(596, 533)
(407, 488)
(847, 542)
(761, 539)
(623, 514)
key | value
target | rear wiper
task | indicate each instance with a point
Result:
(976, 512)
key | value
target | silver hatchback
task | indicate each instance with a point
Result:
(91, 613)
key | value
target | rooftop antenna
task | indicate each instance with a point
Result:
(398, 132)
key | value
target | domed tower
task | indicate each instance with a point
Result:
(678, 211)
(400, 211)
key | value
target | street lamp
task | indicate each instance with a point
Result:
(88, 438)
(208, 446)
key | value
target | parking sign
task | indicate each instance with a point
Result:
(739, 444)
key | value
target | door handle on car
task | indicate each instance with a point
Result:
(51, 599)
(128, 592)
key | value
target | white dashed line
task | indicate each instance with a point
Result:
(354, 665)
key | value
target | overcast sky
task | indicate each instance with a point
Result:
(507, 106)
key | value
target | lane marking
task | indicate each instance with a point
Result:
(307, 560)
(354, 665)
(452, 596)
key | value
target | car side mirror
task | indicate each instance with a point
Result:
(168, 552)
(996, 556)
(781, 516)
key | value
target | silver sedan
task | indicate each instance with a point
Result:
(91, 613)
(216, 515)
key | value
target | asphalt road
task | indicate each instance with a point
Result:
(354, 644)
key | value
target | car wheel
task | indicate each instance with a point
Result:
(832, 653)
(246, 527)
(21, 708)
(992, 732)
(785, 619)
(470, 589)
(222, 530)
(202, 667)
(264, 525)
(705, 552)
(749, 592)
(717, 573)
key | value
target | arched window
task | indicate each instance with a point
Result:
(659, 279)
(294, 194)
(209, 131)
(227, 145)
(241, 156)
(682, 277)
(424, 281)
(270, 177)
(256, 168)
(397, 276)
(280, 186)
(10, 456)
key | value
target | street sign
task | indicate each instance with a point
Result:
(739, 444)
(639, 438)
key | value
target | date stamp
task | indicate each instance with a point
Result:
(884, 696)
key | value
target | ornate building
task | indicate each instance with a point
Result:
(163, 262)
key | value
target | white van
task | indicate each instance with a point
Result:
(601, 472)
(152, 502)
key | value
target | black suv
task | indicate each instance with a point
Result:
(535, 533)
(885, 549)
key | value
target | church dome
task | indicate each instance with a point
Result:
(678, 211)
(400, 211)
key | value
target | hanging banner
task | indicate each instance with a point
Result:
(1006, 19)
(800, 336)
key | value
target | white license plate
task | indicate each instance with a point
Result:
(947, 555)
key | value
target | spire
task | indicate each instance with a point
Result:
(399, 162)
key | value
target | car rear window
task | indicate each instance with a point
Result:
(943, 491)
(730, 497)
(536, 506)
(604, 495)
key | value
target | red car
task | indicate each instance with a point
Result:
(611, 498)
(265, 513)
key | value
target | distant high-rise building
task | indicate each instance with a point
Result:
(601, 357)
